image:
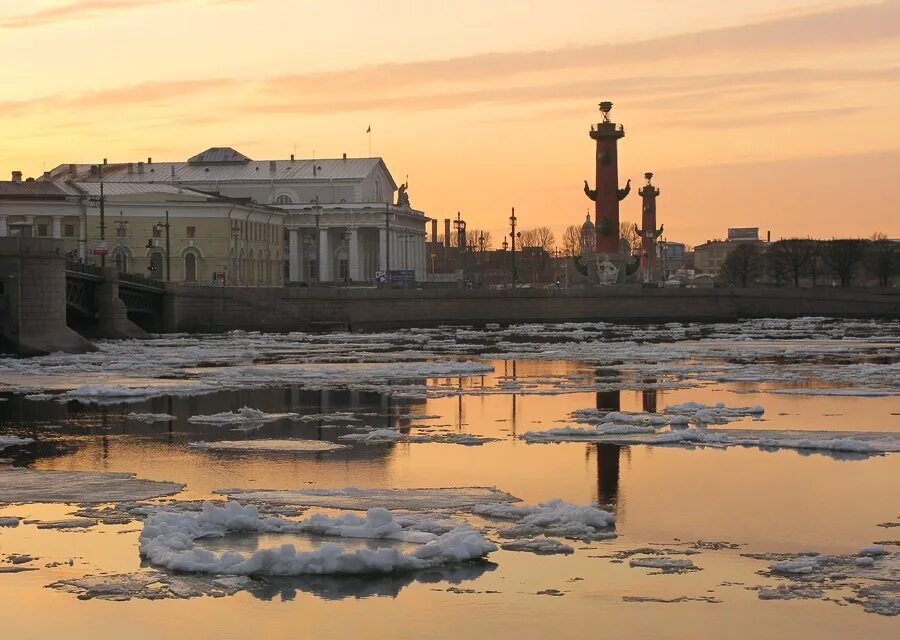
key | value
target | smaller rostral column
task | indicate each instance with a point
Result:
(606, 194)
(648, 231)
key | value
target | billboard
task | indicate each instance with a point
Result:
(743, 233)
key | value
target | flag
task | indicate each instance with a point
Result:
(369, 130)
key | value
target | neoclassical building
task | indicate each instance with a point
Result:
(210, 239)
(340, 221)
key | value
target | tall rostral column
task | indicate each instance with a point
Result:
(648, 231)
(606, 193)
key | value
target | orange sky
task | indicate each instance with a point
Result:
(778, 113)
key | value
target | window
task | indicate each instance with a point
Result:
(283, 199)
(120, 231)
(121, 260)
(157, 231)
(42, 230)
(344, 269)
(156, 270)
(69, 231)
(192, 232)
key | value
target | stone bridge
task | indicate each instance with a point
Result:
(47, 303)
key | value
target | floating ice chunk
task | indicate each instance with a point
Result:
(12, 521)
(151, 585)
(241, 416)
(377, 436)
(120, 393)
(844, 391)
(378, 524)
(28, 485)
(268, 446)
(712, 414)
(362, 499)
(39, 396)
(11, 441)
(72, 523)
(381, 436)
(150, 417)
(554, 517)
(577, 434)
(873, 550)
(541, 545)
(800, 565)
(167, 541)
(664, 564)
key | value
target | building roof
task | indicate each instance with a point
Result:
(31, 189)
(223, 164)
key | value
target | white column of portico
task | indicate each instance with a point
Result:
(396, 257)
(382, 249)
(294, 255)
(353, 255)
(324, 257)
(56, 231)
(420, 257)
(4, 230)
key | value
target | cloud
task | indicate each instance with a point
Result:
(765, 118)
(142, 93)
(79, 10)
(843, 27)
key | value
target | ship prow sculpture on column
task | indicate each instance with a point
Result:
(605, 261)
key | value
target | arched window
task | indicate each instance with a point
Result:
(156, 265)
(190, 267)
(121, 260)
(283, 198)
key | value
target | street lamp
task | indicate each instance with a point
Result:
(512, 234)
(158, 227)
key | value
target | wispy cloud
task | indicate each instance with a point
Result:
(838, 28)
(142, 93)
(80, 10)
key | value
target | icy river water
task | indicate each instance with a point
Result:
(572, 480)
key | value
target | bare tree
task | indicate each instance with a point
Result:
(541, 237)
(628, 232)
(878, 235)
(572, 240)
(742, 265)
(473, 240)
(790, 258)
(843, 257)
(882, 260)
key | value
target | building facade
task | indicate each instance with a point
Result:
(710, 256)
(154, 230)
(340, 220)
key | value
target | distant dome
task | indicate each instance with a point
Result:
(588, 225)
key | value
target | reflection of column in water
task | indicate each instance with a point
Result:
(609, 400)
(648, 398)
(514, 397)
(171, 423)
(608, 473)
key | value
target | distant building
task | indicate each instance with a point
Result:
(710, 256)
(340, 223)
(204, 229)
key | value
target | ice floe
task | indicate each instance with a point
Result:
(150, 585)
(241, 416)
(268, 446)
(167, 541)
(9, 521)
(28, 485)
(382, 436)
(361, 499)
(12, 441)
(554, 517)
(150, 417)
(71, 523)
(712, 414)
(664, 564)
(872, 576)
(540, 545)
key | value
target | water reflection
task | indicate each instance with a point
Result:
(334, 587)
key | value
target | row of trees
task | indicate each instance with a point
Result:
(789, 261)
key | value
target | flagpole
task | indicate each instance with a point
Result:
(369, 133)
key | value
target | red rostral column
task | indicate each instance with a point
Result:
(648, 231)
(606, 193)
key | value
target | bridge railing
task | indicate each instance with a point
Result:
(143, 281)
(87, 269)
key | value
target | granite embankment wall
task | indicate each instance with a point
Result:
(287, 309)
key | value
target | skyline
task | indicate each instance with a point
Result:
(797, 142)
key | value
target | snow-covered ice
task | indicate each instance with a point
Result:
(554, 517)
(541, 545)
(268, 446)
(241, 416)
(28, 485)
(12, 441)
(665, 564)
(361, 499)
(167, 541)
(150, 417)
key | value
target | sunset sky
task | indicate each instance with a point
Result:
(781, 114)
